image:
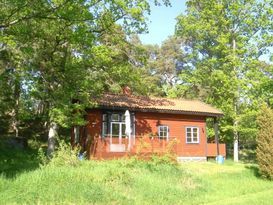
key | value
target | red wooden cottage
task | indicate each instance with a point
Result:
(124, 125)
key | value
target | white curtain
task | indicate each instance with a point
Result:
(128, 130)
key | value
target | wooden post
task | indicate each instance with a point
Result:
(216, 131)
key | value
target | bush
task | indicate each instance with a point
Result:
(265, 142)
(64, 155)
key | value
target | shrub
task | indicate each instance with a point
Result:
(167, 158)
(265, 142)
(64, 155)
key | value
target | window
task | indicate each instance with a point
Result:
(114, 123)
(117, 129)
(115, 117)
(192, 134)
(104, 124)
(163, 132)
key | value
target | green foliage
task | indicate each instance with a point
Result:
(223, 68)
(265, 142)
(53, 53)
(64, 155)
(167, 158)
(164, 63)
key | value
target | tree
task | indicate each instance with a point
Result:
(164, 64)
(265, 142)
(223, 39)
(64, 54)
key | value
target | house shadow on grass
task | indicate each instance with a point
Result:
(14, 161)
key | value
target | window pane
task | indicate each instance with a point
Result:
(104, 128)
(123, 129)
(188, 130)
(195, 134)
(104, 117)
(162, 135)
(115, 117)
(188, 139)
(123, 118)
(163, 132)
(195, 129)
(115, 129)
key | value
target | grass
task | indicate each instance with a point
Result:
(129, 182)
(14, 161)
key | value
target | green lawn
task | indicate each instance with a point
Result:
(129, 182)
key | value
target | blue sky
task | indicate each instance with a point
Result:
(162, 22)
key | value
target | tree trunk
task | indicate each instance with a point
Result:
(236, 147)
(52, 134)
(15, 110)
(235, 124)
(235, 139)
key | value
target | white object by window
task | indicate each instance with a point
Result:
(163, 132)
(192, 135)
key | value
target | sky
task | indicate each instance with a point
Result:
(162, 22)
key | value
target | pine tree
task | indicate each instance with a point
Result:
(265, 142)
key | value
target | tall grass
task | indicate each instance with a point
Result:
(131, 181)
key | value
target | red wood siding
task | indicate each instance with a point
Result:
(94, 125)
(212, 150)
(146, 125)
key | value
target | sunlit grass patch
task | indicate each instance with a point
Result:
(132, 181)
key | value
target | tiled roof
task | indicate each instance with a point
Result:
(154, 104)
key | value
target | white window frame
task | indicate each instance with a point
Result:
(198, 135)
(120, 136)
(107, 122)
(104, 125)
(161, 138)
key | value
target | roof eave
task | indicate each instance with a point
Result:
(197, 113)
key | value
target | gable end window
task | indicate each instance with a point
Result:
(163, 132)
(192, 134)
